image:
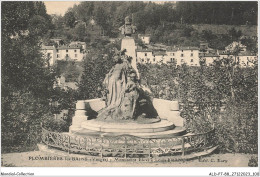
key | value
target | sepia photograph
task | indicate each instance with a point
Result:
(129, 84)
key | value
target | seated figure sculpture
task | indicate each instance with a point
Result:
(130, 97)
(125, 99)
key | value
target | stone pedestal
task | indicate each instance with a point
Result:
(168, 110)
(171, 123)
(80, 115)
(128, 43)
(84, 110)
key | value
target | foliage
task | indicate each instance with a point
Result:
(79, 32)
(217, 12)
(97, 63)
(253, 161)
(71, 70)
(56, 125)
(21, 116)
(69, 19)
(167, 23)
(27, 81)
(161, 17)
(223, 95)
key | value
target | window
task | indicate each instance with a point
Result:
(57, 50)
(148, 59)
(67, 50)
(172, 54)
(154, 59)
(76, 55)
(191, 60)
(75, 50)
(145, 54)
(191, 54)
(48, 55)
(142, 60)
(67, 55)
(58, 56)
(181, 50)
(182, 55)
(191, 50)
(182, 60)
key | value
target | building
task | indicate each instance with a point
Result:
(224, 54)
(181, 55)
(74, 51)
(246, 59)
(171, 55)
(209, 58)
(83, 44)
(69, 52)
(145, 39)
(159, 56)
(49, 53)
(58, 41)
(144, 55)
(188, 55)
(192, 56)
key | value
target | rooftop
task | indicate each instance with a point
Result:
(159, 53)
(44, 47)
(246, 53)
(71, 46)
(174, 49)
(144, 50)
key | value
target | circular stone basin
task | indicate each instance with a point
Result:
(128, 127)
(139, 120)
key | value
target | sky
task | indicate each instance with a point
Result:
(59, 7)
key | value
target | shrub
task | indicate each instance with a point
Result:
(56, 125)
(253, 161)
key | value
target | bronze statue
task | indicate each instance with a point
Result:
(125, 99)
(128, 29)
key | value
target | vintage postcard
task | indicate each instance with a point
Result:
(129, 84)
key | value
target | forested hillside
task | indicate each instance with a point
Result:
(110, 15)
(181, 23)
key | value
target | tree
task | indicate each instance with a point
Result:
(234, 33)
(96, 65)
(69, 19)
(26, 80)
(79, 32)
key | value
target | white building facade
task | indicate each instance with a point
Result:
(246, 59)
(145, 39)
(70, 52)
(188, 55)
(74, 51)
(144, 56)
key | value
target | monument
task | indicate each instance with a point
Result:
(127, 107)
(128, 42)
(128, 122)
